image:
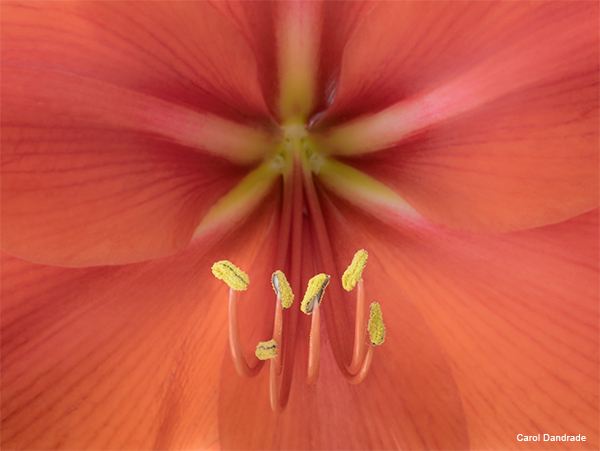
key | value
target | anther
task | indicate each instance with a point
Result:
(377, 336)
(230, 274)
(310, 304)
(376, 327)
(282, 289)
(354, 272)
(314, 292)
(266, 350)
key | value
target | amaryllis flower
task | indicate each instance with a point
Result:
(455, 142)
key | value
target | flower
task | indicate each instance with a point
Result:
(142, 142)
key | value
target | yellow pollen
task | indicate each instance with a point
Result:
(231, 275)
(266, 350)
(282, 289)
(314, 292)
(376, 327)
(354, 272)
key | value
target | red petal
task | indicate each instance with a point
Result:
(500, 130)
(258, 22)
(121, 357)
(516, 315)
(393, 409)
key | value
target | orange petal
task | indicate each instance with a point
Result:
(263, 24)
(97, 162)
(408, 401)
(121, 357)
(495, 119)
(90, 197)
(516, 315)
(182, 52)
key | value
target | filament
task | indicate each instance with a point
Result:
(241, 365)
(360, 330)
(364, 368)
(314, 347)
(275, 364)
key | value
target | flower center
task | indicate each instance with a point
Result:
(280, 349)
(296, 158)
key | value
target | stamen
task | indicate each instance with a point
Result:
(314, 292)
(360, 330)
(376, 327)
(377, 336)
(314, 347)
(230, 274)
(266, 350)
(310, 304)
(235, 343)
(238, 281)
(278, 331)
(364, 369)
(276, 360)
(282, 289)
(278, 402)
(354, 272)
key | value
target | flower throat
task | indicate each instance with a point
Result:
(297, 160)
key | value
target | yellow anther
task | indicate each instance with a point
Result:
(376, 327)
(282, 289)
(231, 275)
(266, 350)
(354, 272)
(314, 292)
